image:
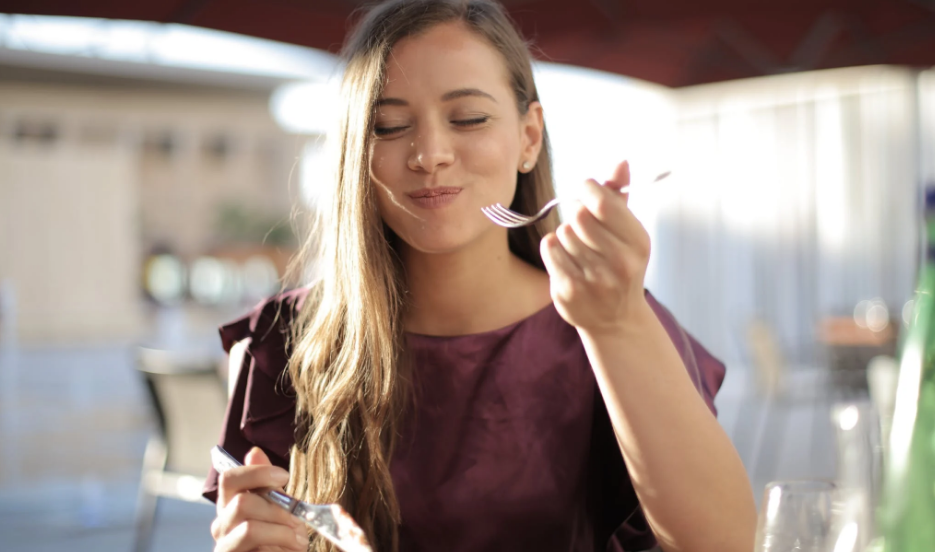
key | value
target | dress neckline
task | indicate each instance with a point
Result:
(549, 308)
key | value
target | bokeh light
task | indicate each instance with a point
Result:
(165, 278)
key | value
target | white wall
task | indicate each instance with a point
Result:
(79, 212)
(69, 241)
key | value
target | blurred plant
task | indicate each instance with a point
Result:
(237, 224)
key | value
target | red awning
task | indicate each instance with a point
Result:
(670, 42)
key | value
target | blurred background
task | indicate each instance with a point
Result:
(152, 154)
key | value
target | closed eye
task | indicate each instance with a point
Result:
(470, 122)
(383, 132)
(388, 131)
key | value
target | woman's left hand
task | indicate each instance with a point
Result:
(597, 260)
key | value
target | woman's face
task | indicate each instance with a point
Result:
(448, 138)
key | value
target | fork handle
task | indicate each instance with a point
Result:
(223, 462)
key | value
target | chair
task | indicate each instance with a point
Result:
(188, 398)
(763, 418)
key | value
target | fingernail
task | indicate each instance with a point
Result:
(301, 537)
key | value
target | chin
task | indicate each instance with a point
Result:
(436, 241)
(435, 245)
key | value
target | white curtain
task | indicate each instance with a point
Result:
(795, 197)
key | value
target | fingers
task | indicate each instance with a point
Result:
(256, 457)
(580, 252)
(584, 250)
(590, 263)
(607, 205)
(253, 476)
(620, 178)
(248, 522)
(252, 535)
(247, 507)
(557, 261)
(247, 478)
(593, 234)
(610, 209)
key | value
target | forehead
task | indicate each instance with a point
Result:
(446, 57)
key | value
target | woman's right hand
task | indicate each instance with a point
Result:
(247, 522)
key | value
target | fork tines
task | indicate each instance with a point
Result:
(505, 217)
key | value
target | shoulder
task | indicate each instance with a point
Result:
(265, 330)
(706, 372)
(261, 409)
(270, 316)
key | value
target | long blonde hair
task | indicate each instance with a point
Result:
(348, 367)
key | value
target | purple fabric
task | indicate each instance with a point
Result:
(509, 445)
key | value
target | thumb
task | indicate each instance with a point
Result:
(256, 457)
(621, 176)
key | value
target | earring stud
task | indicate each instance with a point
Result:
(525, 165)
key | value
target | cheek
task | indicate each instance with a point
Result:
(387, 202)
(382, 162)
(383, 175)
(491, 155)
(387, 170)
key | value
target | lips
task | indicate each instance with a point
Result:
(434, 198)
(434, 192)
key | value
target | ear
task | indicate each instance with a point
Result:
(532, 128)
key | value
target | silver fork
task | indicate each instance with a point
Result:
(329, 520)
(511, 219)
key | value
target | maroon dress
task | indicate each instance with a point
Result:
(509, 446)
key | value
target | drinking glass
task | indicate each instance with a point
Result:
(795, 516)
(859, 470)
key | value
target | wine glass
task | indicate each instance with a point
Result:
(795, 516)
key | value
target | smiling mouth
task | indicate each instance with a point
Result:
(434, 198)
(434, 192)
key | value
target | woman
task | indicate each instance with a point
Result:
(454, 385)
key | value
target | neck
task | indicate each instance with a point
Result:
(480, 287)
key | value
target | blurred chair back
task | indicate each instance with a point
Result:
(188, 399)
(768, 363)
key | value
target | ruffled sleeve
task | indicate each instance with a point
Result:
(619, 509)
(261, 410)
(705, 371)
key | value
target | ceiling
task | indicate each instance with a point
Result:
(671, 42)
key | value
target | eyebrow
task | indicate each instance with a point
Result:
(446, 97)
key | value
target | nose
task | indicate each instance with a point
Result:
(430, 150)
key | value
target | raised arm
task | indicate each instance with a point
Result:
(688, 477)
